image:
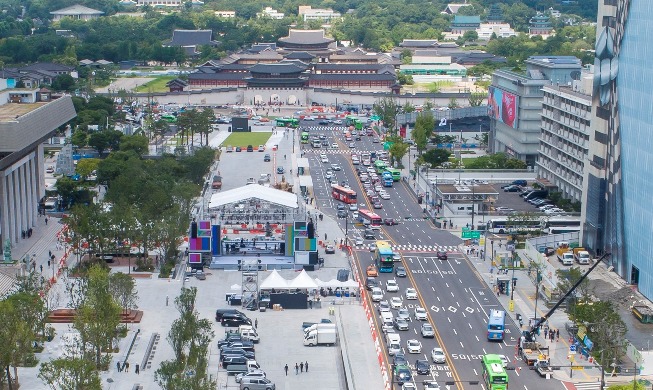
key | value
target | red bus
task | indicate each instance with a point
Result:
(343, 194)
(369, 218)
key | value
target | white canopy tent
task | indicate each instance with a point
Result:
(240, 194)
(303, 281)
(274, 281)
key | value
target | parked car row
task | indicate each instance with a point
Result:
(237, 351)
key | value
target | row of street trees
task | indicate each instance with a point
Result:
(190, 338)
(98, 299)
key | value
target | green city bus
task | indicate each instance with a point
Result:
(494, 375)
(169, 118)
(288, 122)
(351, 120)
(396, 173)
(305, 136)
(380, 166)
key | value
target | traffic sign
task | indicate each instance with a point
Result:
(572, 348)
(467, 233)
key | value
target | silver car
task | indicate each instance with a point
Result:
(257, 384)
(250, 375)
(427, 330)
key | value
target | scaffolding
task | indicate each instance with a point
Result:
(249, 272)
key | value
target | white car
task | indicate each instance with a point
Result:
(438, 356)
(384, 195)
(359, 241)
(504, 360)
(353, 207)
(396, 303)
(431, 385)
(411, 293)
(408, 386)
(414, 346)
(354, 215)
(377, 294)
(324, 159)
(377, 188)
(371, 170)
(421, 314)
(335, 167)
(337, 122)
(391, 286)
(334, 146)
(328, 175)
(384, 307)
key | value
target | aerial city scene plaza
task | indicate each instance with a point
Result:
(390, 195)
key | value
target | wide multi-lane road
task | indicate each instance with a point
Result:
(457, 301)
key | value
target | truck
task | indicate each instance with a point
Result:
(393, 342)
(233, 369)
(319, 326)
(320, 337)
(217, 182)
(532, 351)
(565, 256)
(246, 332)
(307, 324)
(581, 256)
(543, 368)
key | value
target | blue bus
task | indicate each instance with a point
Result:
(387, 179)
(383, 257)
(496, 325)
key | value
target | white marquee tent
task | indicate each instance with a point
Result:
(303, 281)
(274, 280)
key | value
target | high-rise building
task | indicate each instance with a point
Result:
(515, 100)
(616, 210)
(564, 143)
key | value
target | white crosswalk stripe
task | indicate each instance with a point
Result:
(335, 151)
(423, 248)
(323, 128)
(587, 385)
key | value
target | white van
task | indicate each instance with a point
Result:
(377, 294)
(387, 321)
(393, 341)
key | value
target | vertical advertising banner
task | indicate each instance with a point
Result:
(503, 106)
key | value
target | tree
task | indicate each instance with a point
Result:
(387, 109)
(408, 107)
(453, 103)
(86, 166)
(16, 337)
(64, 82)
(436, 157)
(470, 36)
(123, 290)
(136, 143)
(79, 138)
(66, 188)
(424, 126)
(397, 150)
(476, 99)
(70, 374)
(98, 317)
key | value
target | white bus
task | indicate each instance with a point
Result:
(561, 225)
(516, 225)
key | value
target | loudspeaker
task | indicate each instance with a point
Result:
(282, 248)
(193, 229)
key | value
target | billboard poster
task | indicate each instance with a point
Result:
(503, 106)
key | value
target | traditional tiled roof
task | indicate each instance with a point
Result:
(300, 55)
(48, 66)
(306, 37)
(419, 43)
(280, 68)
(218, 76)
(191, 38)
(75, 10)
(353, 67)
(352, 76)
(466, 19)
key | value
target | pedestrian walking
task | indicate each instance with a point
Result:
(46, 220)
(296, 369)
(167, 299)
(49, 254)
(310, 303)
(557, 335)
(286, 369)
(41, 268)
(546, 333)
(126, 366)
(138, 369)
(118, 366)
(301, 367)
(306, 365)
(325, 236)
(256, 323)
(48, 263)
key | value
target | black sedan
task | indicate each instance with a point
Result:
(390, 221)
(422, 367)
(442, 255)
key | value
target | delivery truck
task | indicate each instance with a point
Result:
(581, 255)
(320, 336)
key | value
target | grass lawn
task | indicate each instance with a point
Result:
(156, 85)
(244, 139)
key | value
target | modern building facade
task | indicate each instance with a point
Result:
(564, 143)
(616, 211)
(27, 118)
(515, 100)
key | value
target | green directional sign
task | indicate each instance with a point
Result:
(468, 233)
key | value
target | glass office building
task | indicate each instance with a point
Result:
(617, 211)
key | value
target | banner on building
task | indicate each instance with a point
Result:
(503, 106)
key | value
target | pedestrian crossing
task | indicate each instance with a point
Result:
(424, 248)
(585, 386)
(335, 151)
(324, 128)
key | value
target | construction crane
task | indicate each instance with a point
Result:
(531, 333)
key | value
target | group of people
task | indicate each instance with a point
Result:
(552, 334)
(298, 368)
